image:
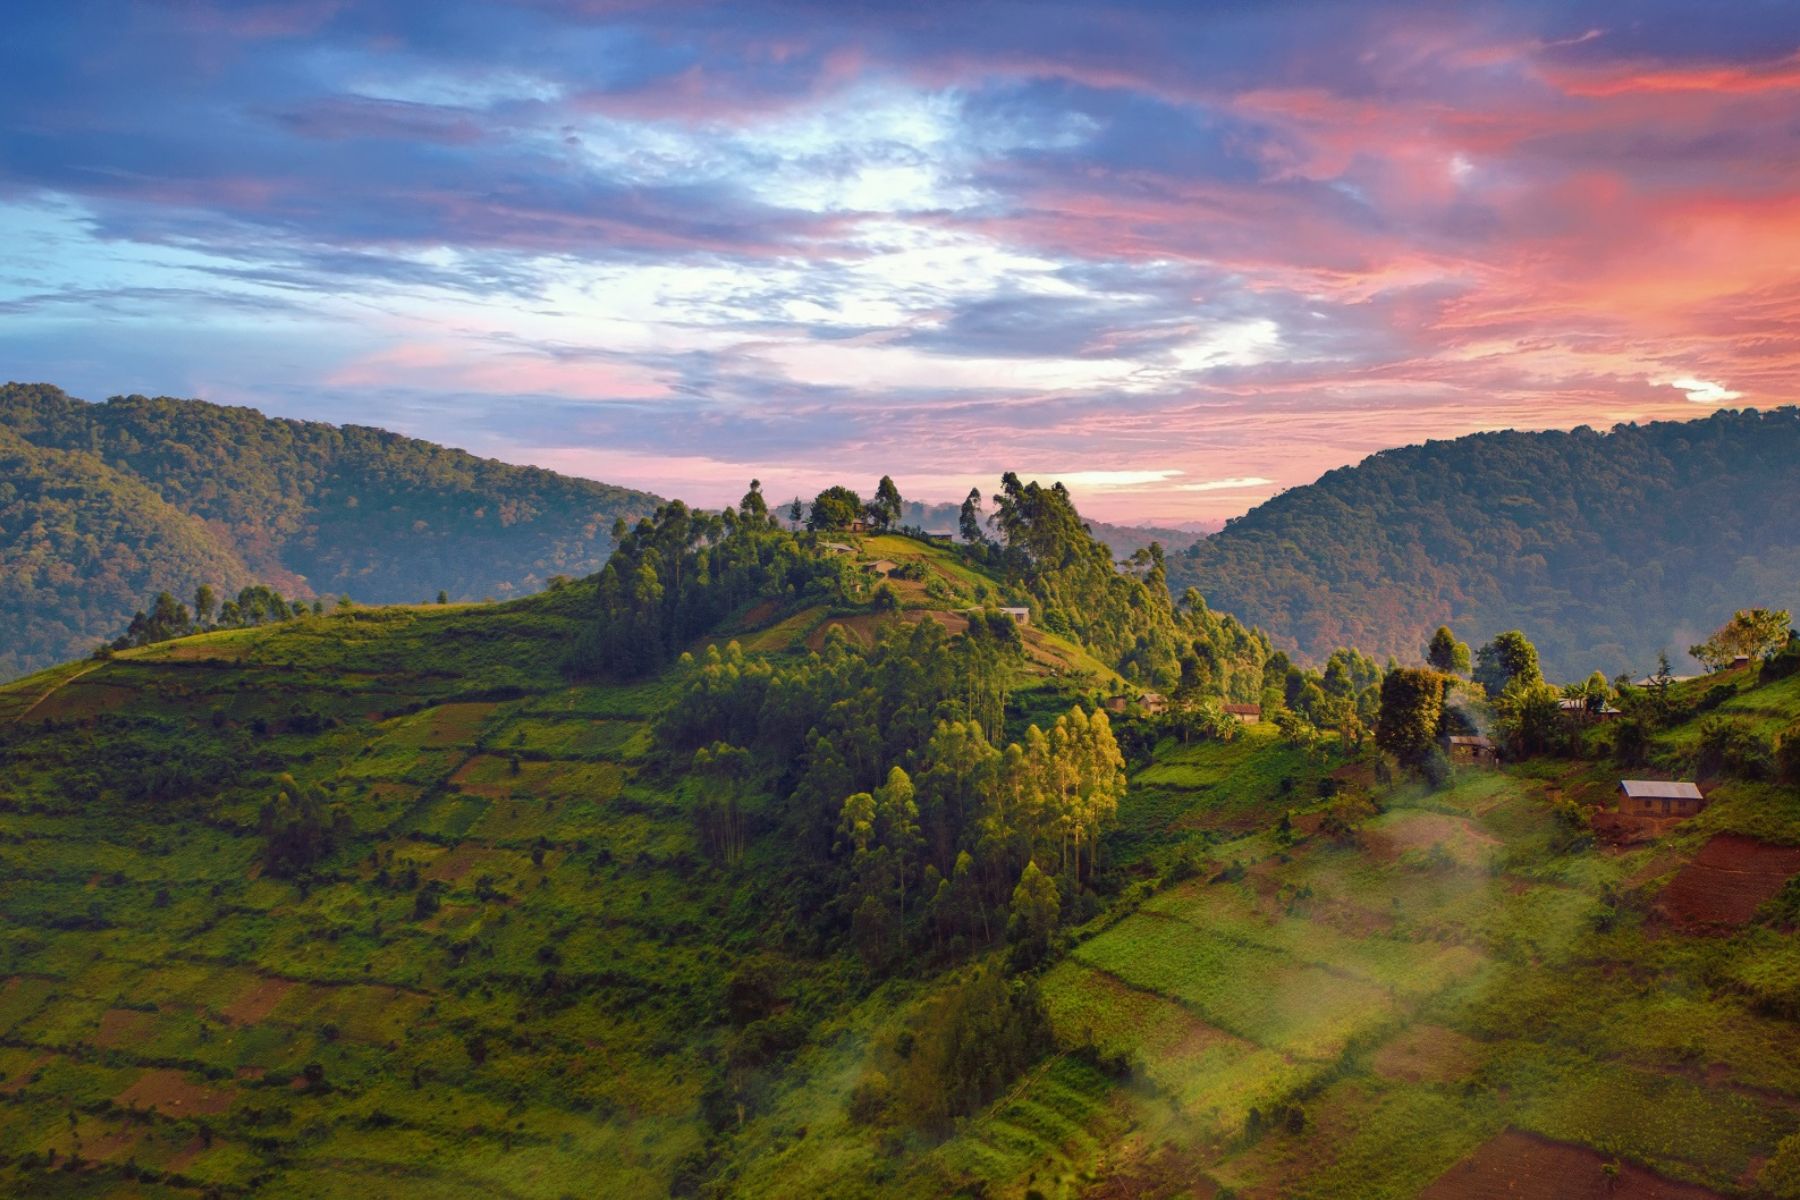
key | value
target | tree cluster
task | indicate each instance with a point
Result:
(889, 775)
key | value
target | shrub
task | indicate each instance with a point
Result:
(1787, 754)
(1735, 748)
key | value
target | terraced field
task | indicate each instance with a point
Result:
(166, 1009)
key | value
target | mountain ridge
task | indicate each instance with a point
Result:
(303, 506)
(1546, 531)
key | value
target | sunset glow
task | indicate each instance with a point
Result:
(1180, 257)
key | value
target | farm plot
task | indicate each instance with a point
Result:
(1257, 993)
(1727, 882)
(1516, 1164)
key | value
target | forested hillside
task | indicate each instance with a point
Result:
(104, 504)
(1609, 547)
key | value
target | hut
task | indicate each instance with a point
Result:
(1659, 798)
(1247, 714)
(1473, 750)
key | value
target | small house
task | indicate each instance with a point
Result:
(1656, 681)
(1019, 614)
(1658, 798)
(883, 567)
(1581, 710)
(1740, 662)
(1153, 702)
(1473, 750)
(857, 525)
(1248, 714)
(1117, 704)
(834, 548)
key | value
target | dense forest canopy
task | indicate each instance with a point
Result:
(1608, 547)
(105, 504)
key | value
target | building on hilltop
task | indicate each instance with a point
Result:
(1659, 798)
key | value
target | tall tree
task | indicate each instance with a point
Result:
(1412, 706)
(1446, 653)
(969, 520)
(834, 508)
(1509, 657)
(885, 509)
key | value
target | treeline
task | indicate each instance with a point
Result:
(678, 573)
(102, 504)
(1036, 541)
(169, 618)
(1610, 546)
(1502, 690)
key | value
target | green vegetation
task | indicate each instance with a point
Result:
(846, 883)
(103, 505)
(1608, 547)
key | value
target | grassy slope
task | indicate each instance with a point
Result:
(1414, 993)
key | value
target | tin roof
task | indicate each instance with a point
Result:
(1658, 789)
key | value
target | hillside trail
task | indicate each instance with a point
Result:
(52, 690)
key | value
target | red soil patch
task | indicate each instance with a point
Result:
(174, 1094)
(860, 629)
(1427, 1054)
(256, 1002)
(1629, 829)
(760, 615)
(1165, 1171)
(1727, 882)
(1515, 1165)
(122, 1026)
(17, 1082)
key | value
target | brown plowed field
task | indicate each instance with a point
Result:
(1728, 881)
(1517, 1165)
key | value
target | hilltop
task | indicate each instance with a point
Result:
(103, 505)
(418, 901)
(1609, 547)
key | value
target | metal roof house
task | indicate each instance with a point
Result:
(1249, 714)
(1659, 798)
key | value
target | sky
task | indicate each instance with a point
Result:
(1178, 255)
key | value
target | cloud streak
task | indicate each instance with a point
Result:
(1189, 254)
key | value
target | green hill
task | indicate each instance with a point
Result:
(406, 901)
(84, 544)
(1608, 547)
(108, 503)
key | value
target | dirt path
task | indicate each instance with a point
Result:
(55, 688)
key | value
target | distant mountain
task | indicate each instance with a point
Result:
(101, 505)
(1122, 540)
(1605, 548)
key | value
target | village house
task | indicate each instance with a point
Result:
(857, 525)
(1473, 750)
(883, 567)
(1247, 714)
(1578, 709)
(1658, 798)
(835, 548)
(1020, 614)
(1153, 702)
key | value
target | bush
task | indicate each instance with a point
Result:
(1787, 754)
(1734, 748)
